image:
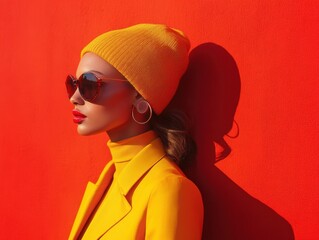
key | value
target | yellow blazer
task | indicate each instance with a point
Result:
(154, 200)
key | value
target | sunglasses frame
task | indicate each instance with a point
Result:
(99, 83)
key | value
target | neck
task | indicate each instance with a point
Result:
(124, 150)
(126, 131)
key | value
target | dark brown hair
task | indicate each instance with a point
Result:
(174, 129)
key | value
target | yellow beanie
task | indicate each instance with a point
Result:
(152, 57)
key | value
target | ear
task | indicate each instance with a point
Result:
(141, 105)
(137, 96)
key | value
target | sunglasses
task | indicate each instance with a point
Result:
(89, 85)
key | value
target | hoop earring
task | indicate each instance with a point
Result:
(142, 109)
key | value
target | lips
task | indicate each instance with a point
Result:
(78, 114)
(78, 117)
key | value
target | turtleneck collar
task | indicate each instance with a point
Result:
(124, 150)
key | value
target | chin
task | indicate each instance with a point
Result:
(88, 132)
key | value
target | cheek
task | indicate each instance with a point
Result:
(118, 104)
(111, 111)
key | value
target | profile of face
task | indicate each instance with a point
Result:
(112, 107)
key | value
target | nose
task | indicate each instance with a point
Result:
(76, 98)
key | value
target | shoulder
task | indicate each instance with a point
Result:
(178, 186)
(169, 179)
(175, 208)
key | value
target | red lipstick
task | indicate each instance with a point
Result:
(78, 116)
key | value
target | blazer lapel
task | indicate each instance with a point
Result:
(140, 164)
(120, 207)
(91, 197)
(133, 171)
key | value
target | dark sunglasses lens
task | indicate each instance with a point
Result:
(88, 86)
(70, 86)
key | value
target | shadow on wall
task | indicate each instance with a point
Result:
(209, 93)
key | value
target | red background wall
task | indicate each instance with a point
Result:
(45, 165)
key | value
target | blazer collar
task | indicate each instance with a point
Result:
(90, 199)
(140, 164)
(133, 171)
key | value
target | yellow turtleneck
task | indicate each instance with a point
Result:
(124, 150)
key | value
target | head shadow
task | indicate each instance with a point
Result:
(209, 93)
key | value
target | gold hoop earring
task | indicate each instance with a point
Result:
(141, 109)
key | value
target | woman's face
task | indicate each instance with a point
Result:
(112, 107)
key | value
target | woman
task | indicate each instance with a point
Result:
(124, 81)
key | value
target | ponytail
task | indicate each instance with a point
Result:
(173, 128)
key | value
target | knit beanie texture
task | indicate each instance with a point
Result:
(152, 57)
